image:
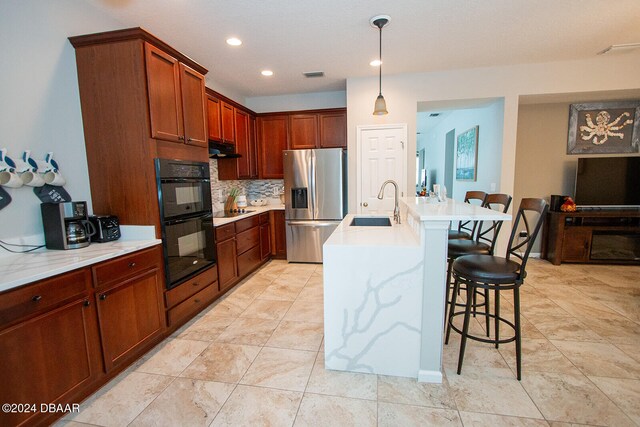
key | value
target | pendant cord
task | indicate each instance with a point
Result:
(380, 59)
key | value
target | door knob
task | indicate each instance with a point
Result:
(365, 204)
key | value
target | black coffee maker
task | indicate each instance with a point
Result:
(66, 225)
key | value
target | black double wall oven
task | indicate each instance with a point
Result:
(184, 193)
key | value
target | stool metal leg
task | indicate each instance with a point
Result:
(516, 311)
(452, 307)
(465, 327)
(447, 290)
(496, 324)
(486, 311)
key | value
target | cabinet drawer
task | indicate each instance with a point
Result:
(125, 266)
(248, 261)
(225, 231)
(247, 223)
(193, 304)
(190, 287)
(264, 218)
(247, 239)
(26, 300)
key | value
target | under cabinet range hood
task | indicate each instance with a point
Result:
(220, 150)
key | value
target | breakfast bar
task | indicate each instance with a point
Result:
(388, 318)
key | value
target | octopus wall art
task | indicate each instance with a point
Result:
(604, 128)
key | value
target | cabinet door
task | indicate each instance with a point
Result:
(194, 106)
(303, 131)
(227, 263)
(228, 131)
(265, 241)
(242, 143)
(576, 244)
(280, 234)
(130, 315)
(213, 118)
(253, 147)
(165, 103)
(272, 140)
(50, 358)
(333, 130)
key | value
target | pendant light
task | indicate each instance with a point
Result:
(380, 107)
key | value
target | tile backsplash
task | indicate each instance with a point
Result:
(255, 188)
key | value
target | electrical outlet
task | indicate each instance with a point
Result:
(523, 234)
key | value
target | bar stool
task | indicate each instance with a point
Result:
(467, 229)
(483, 244)
(493, 273)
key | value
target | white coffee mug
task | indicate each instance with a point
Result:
(10, 179)
(54, 178)
(32, 179)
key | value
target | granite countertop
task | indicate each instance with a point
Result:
(21, 269)
(256, 210)
(397, 235)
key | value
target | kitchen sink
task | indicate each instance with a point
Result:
(371, 221)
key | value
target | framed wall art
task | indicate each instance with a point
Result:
(467, 155)
(604, 128)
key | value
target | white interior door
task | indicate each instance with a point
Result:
(382, 156)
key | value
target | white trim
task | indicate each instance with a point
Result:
(359, 130)
(425, 376)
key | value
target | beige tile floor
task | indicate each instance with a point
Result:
(256, 358)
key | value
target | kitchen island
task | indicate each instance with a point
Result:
(384, 290)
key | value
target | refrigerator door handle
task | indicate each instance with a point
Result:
(312, 223)
(312, 180)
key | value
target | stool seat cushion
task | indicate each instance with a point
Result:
(460, 247)
(486, 268)
(455, 234)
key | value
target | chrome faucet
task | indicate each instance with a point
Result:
(396, 209)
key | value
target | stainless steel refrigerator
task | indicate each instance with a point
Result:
(315, 200)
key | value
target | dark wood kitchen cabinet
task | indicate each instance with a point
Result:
(49, 345)
(227, 257)
(333, 129)
(265, 236)
(130, 308)
(246, 166)
(141, 100)
(228, 121)
(272, 140)
(303, 131)
(279, 233)
(177, 102)
(213, 118)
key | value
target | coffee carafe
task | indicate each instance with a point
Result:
(66, 225)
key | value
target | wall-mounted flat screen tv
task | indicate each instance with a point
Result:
(608, 182)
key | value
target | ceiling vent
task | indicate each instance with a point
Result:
(434, 114)
(313, 74)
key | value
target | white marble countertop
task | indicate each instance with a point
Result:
(256, 210)
(21, 269)
(420, 208)
(394, 236)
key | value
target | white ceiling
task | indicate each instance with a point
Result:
(334, 36)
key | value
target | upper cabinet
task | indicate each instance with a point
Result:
(303, 131)
(213, 118)
(177, 103)
(333, 129)
(228, 120)
(318, 129)
(272, 140)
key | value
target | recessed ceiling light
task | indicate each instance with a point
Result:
(267, 73)
(233, 41)
(375, 63)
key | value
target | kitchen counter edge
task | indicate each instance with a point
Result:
(257, 210)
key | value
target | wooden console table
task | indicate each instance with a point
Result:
(592, 236)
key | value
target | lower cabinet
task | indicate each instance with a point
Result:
(279, 235)
(63, 337)
(265, 241)
(130, 315)
(227, 263)
(51, 358)
(190, 297)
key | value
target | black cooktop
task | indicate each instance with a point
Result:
(231, 214)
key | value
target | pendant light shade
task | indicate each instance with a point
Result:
(380, 108)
